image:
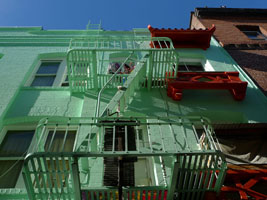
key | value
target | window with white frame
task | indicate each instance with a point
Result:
(13, 149)
(49, 73)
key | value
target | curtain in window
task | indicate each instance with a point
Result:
(57, 142)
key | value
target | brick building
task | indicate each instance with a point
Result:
(242, 32)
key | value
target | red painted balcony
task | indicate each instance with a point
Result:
(208, 81)
(184, 38)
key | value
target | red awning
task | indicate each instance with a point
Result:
(189, 38)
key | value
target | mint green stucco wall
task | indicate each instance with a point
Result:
(20, 51)
(20, 57)
(16, 67)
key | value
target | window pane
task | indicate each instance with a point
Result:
(190, 67)
(43, 81)
(65, 84)
(48, 68)
(57, 142)
(16, 143)
(9, 178)
(254, 35)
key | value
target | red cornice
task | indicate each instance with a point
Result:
(189, 38)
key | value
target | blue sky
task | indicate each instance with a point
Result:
(114, 14)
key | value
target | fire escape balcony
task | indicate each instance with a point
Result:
(176, 157)
(93, 61)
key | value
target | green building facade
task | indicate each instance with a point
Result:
(85, 115)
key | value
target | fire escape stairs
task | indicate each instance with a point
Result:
(120, 100)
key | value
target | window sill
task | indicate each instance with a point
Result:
(9, 192)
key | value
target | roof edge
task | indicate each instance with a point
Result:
(231, 12)
(21, 28)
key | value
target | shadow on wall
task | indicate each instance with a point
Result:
(22, 104)
(252, 59)
(45, 103)
(255, 64)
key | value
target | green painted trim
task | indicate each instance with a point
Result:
(31, 44)
(52, 55)
(23, 120)
(112, 155)
(46, 88)
(21, 29)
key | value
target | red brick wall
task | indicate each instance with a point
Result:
(227, 32)
(253, 61)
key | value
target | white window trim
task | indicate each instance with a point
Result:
(60, 75)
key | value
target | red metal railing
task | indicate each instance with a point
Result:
(208, 81)
(243, 181)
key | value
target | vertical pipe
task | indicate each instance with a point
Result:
(126, 138)
(113, 138)
(150, 69)
(51, 142)
(137, 138)
(65, 138)
(120, 167)
(173, 183)
(76, 179)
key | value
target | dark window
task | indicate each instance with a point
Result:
(43, 80)
(66, 82)
(13, 149)
(9, 172)
(48, 68)
(46, 73)
(252, 32)
(16, 143)
(193, 67)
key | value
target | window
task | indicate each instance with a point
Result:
(126, 69)
(60, 140)
(65, 83)
(252, 32)
(13, 149)
(193, 67)
(194, 64)
(49, 73)
(46, 74)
